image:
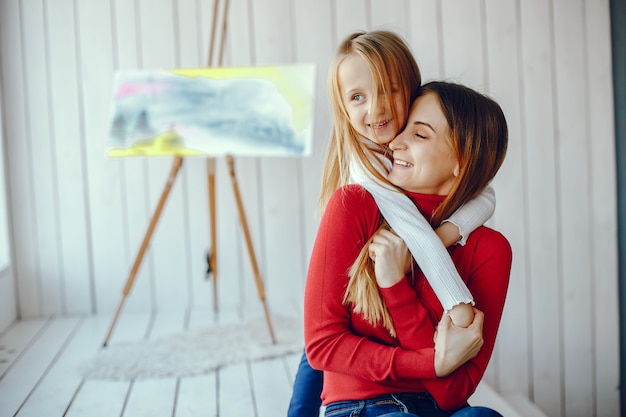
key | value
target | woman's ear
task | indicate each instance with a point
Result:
(457, 170)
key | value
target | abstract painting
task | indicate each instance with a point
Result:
(239, 111)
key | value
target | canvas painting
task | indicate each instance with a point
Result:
(238, 111)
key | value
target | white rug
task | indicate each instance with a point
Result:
(196, 352)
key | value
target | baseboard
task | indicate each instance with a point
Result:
(8, 305)
(509, 406)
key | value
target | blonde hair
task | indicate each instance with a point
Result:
(362, 290)
(389, 58)
(480, 137)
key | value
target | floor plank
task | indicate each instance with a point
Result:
(196, 397)
(99, 398)
(156, 397)
(292, 362)
(235, 396)
(272, 387)
(151, 398)
(59, 386)
(28, 369)
(14, 341)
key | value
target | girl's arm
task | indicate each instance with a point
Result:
(395, 260)
(425, 246)
(427, 250)
(468, 218)
(456, 229)
(464, 221)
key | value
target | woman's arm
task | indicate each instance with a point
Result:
(337, 340)
(453, 347)
(488, 281)
(488, 270)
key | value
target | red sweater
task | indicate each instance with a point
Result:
(361, 361)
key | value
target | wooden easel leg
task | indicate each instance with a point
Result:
(178, 161)
(244, 226)
(212, 216)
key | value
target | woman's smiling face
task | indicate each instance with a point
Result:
(424, 157)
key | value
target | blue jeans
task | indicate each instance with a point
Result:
(306, 402)
(464, 412)
(402, 405)
(307, 388)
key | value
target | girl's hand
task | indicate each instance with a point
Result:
(456, 345)
(391, 257)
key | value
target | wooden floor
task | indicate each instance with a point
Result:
(40, 375)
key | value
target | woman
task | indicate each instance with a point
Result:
(374, 337)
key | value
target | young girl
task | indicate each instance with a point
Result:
(372, 82)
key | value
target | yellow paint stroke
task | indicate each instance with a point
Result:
(165, 144)
(292, 81)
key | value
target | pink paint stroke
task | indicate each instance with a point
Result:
(138, 88)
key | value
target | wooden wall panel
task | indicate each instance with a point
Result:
(463, 54)
(135, 206)
(8, 299)
(104, 181)
(350, 16)
(21, 199)
(424, 37)
(74, 255)
(539, 146)
(38, 116)
(313, 46)
(603, 208)
(575, 225)
(501, 62)
(78, 217)
(385, 17)
(281, 196)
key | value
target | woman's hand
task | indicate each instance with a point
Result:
(391, 257)
(456, 345)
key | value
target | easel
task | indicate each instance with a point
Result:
(178, 161)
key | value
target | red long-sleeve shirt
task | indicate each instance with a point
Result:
(361, 361)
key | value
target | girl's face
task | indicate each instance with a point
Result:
(424, 157)
(357, 91)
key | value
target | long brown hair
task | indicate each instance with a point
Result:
(389, 58)
(480, 138)
(479, 135)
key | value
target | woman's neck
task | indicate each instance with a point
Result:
(426, 203)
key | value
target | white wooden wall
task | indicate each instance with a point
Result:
(78, 218)
(8, 308)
